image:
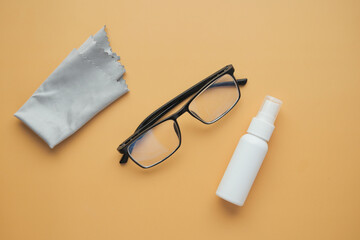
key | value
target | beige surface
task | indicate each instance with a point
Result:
(306, 53)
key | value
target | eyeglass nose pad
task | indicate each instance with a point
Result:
(176, 128)
(195, 115)
(124, 159)
(241, 81)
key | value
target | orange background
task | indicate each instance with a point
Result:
(307, 53)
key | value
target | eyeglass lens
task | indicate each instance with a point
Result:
(156, 144)
(216, 100)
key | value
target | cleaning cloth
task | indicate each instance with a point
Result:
(88, 80)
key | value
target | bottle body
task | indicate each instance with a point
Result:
(242, 169)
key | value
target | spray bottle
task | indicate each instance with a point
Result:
(249, 154)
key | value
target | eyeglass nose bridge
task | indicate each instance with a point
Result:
(182, 110)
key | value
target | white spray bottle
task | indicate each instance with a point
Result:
(249, 154)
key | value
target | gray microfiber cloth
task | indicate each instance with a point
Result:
(87, 81)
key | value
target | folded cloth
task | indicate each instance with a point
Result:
(88, 80)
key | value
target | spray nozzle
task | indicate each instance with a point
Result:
(270, 109)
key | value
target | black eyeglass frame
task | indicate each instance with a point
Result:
(151, 121)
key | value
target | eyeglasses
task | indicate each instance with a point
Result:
(154, 141)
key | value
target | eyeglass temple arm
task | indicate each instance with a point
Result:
(157, 114)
